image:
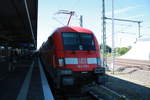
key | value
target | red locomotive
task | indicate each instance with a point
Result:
(71, 56)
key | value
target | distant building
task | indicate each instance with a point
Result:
(140, 51)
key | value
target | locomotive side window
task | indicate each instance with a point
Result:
(78, 41)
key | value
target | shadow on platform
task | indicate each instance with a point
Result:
(131, 90)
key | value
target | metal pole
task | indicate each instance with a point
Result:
(113, 37)
(30, 23)
(139, 29)
(104, 33)
(133, 21)
(71, 13)
(124, 20)
(81, 21)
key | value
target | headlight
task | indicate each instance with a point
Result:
(61, 62)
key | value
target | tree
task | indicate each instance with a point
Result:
(108, 49)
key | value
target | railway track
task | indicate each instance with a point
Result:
(141, 64)
(100, 92)
(95, 92)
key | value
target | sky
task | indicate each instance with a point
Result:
(91, 10)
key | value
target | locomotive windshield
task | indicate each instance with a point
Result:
(78, 41)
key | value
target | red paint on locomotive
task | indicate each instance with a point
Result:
(71, 48)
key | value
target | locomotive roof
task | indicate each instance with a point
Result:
(73, 29)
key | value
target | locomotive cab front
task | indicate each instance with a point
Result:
(79, 57)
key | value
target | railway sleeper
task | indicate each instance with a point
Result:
(100, 92)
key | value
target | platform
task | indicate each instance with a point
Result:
(25, 82)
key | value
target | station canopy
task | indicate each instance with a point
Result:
(18, 23)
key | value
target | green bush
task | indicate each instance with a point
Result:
(118, 51)
(123, 50)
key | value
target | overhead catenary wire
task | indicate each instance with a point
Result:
(58, 21)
